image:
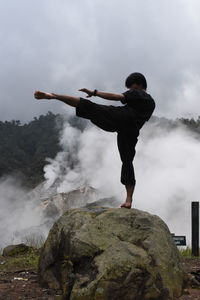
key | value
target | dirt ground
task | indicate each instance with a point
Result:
(19, 279)
(192, 288)
(24, 284)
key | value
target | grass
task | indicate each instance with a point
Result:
(35, 241)
(187, 252)
(23, 261)
(28, 261)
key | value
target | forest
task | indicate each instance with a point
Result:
(25, 147)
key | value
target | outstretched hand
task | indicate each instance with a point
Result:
(88, 92)
(42, 95)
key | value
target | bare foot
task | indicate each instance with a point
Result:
(41, 95)
(126, 205)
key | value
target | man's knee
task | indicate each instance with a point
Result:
(126, 181)
(127, 174)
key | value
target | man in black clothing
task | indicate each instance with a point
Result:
(126, 120)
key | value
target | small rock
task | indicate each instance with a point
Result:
(20, 278)
(192, 281)
(186, 292)
(14, 250)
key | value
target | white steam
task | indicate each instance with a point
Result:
(18, 212)
(88, 158)
(167, 167)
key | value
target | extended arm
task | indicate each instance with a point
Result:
(104, 95)
(74, 101)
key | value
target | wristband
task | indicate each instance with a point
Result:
(54, 96)
(95, 92)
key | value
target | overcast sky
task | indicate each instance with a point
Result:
(63, 45)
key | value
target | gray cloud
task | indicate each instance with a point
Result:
(64, 45)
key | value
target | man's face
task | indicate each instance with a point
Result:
(137, 86)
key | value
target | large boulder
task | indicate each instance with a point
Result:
(98, 253)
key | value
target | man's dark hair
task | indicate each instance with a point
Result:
(137, 78)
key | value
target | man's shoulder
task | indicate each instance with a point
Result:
(130, 92)
(139, 94)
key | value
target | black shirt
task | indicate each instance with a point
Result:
(142, 104)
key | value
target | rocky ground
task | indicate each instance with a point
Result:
(192, 269)
(19, 279)
(22, 283)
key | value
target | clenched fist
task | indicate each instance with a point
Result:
(42, 95)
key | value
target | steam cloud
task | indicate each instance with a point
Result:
(167, 167)
(18, 212)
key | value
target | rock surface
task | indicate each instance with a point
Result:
(99, 253)
(54, 206)
(47, 206)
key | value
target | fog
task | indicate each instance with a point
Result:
(18, 212)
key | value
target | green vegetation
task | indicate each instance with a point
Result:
(24, 148)
(187, 252)
(28, 261)
(191, 124)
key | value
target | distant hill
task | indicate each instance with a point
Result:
(24, 148)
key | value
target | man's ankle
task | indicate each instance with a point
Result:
(129, 200)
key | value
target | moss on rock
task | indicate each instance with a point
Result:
(98, 253)
(15, 250)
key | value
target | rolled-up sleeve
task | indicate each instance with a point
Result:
(124, 100)
(128, 96)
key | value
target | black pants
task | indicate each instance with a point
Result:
(115, 119)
